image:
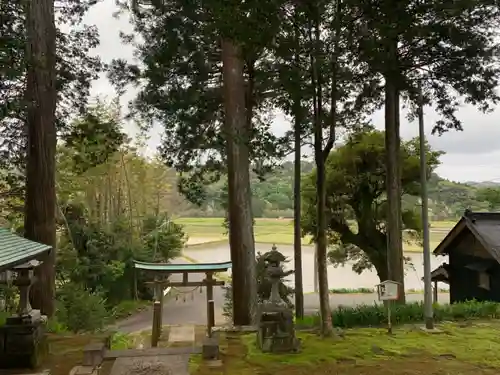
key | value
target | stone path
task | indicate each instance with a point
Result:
(152, 365)
(183, 333)
(156, 361)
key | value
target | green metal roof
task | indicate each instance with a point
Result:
(16, 250)
(187, 267)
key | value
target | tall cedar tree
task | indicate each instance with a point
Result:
(241, 237)
(201, 72)
(40, 204)
(335, 82)
(291, 93)
(19, 67)
(319, 87)
(75, 71)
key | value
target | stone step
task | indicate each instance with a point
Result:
(184, 333)
(151, 352)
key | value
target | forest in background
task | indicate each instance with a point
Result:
(154, 187)
(273, 197)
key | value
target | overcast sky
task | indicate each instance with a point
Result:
(471, 155)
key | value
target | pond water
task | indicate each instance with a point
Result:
(338, 277)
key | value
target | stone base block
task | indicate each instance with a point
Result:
(210, 349)
(23, 345)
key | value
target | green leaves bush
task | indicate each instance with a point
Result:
(79, 309)
(376, 315)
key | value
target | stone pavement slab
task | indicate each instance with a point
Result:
(183, 333)
(159, 365)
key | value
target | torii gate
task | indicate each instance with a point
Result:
(167, 269)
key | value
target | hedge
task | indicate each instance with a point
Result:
(376, 315)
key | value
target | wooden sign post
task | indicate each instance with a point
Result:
(388, 291)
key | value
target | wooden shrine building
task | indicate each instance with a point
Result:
(473, 247)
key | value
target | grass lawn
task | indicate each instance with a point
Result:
(66, 351)
(458, 350)
(279, 231)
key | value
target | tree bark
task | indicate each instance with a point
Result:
(394, 220)
(297, 238)
(319, 155)
(40, 204)
(241, 238)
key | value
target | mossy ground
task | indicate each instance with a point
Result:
(458, 350)
(66, 351)
(461, 349)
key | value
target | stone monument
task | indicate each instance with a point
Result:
(22, 338)
(276, 330)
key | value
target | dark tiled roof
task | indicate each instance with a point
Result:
(16, 250)
(440, 274)
(485, 226)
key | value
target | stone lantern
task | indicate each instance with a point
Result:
(24, 280)
(276, 331)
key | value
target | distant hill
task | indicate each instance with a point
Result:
(274, 196)
(483, 184)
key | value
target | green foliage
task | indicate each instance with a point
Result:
(376, 315)
(54, 325)
(355, 189)
(100, 257)
(10, 295)
(3, 317)
(126, 308)
(162, 237)
(121, 341)
(184, 91)
(94, 137)
(76, 69)
(273, 197)
(352, 291)
(80, 309)
(263, 287)
(398, 41)
(490, 195)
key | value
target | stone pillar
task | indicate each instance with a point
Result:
(24, 282)
(156, 329)
(210, 303)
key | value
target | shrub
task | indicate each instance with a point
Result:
(128, 307)
(3, 317)
(120, 341)
(79, 309)
(362, 290)
(376, 315)
(53, 325)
